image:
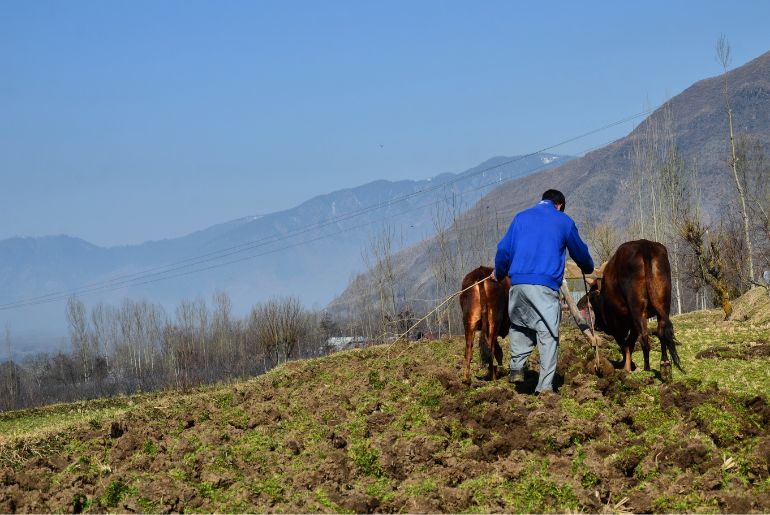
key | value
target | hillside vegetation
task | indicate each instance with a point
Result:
(613, 188)
(392, 428)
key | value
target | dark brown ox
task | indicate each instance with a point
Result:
(485, 309)
(636, 285)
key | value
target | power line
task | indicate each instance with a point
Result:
(158, 273)
(218, 254)
(99, 288)
(143, 280)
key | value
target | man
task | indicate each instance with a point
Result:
(532, 254)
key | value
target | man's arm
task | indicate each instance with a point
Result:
(579, 251)
(504, 255)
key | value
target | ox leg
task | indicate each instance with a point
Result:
(470, 333)
(487, 352)
(486, 360)
(492, 373)
(493, 347)
(627, 352)
(484, 355)
(627, 345)
(644, 337)
(665, 364)
(498, 353)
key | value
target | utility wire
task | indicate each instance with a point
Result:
(100, 288)
(145, 280)
(222, 253)
(158, 273)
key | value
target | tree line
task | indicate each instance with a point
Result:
(138, 346)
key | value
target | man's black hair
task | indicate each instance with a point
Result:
(555, 196)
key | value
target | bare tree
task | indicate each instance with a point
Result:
(705, 250)
(754, 173)
(380, 262)
(281, 323)
(184, 344)
(10, 387)
(658, 190)
(674, 191)
(603, 239)
(79, 336)
(328, 326)
(710, 262)
(724, 57)
(223, 336)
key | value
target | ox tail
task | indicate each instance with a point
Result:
(670, 342)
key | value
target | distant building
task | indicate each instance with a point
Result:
(345, 342)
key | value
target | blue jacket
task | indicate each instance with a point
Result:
(534, 248)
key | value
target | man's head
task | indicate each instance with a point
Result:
(557, 197)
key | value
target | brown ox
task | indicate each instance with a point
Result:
(636, 286)
(485, 309)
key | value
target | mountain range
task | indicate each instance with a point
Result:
(309, 251)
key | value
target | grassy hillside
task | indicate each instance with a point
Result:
(392, 428)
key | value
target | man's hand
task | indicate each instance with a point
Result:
(493, 277)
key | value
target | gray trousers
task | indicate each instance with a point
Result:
(535, 314)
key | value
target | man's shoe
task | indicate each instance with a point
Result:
(516, 376)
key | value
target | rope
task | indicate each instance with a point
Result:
(401, 336)
(439, 306)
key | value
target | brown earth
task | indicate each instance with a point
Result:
(758, 349)
(393, 429)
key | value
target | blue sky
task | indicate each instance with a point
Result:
(122, 122)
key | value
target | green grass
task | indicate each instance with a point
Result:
(323, 499)
(366, 458)
(423, 487)
(699, 331)
(381, 488)
(688, 503)
(533, 491)
(588, 410)
(271, 487)
(722, 425)
(114, 493)
(39, 422)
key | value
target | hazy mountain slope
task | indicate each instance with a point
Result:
(592, 183)
(309, 251)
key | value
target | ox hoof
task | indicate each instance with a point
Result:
(665, 371)
(516, 376)
(485, 377)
